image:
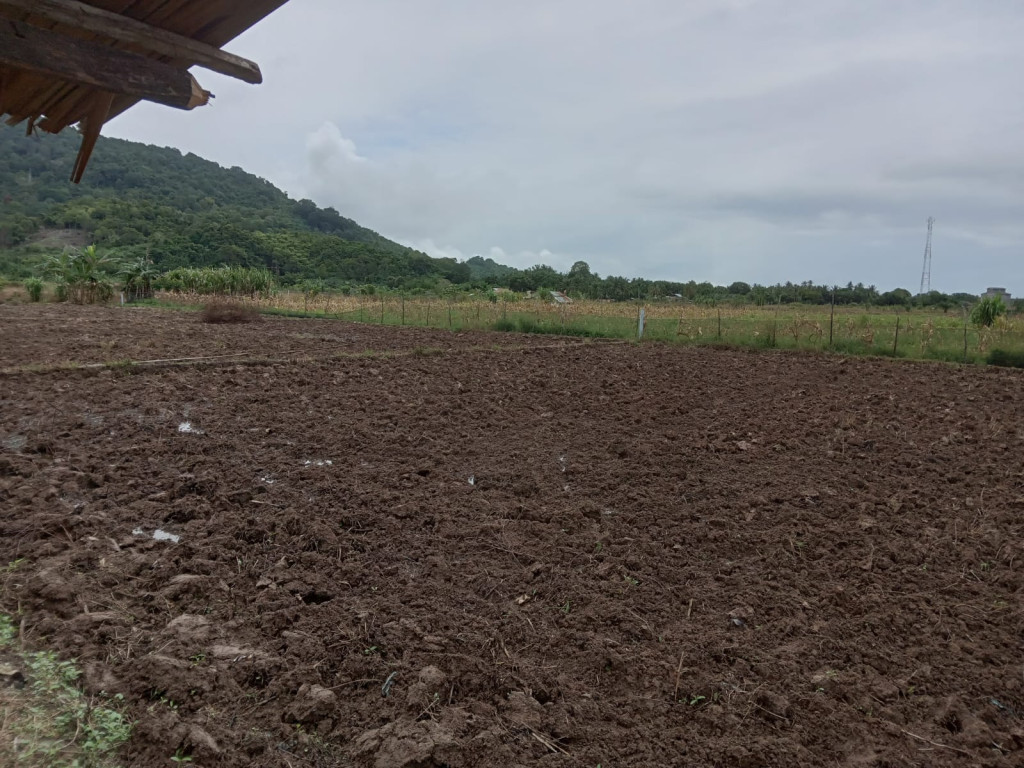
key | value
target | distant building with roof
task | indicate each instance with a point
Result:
(996, 293)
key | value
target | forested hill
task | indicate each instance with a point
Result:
(187, 211)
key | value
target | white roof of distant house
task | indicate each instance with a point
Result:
(560, 297)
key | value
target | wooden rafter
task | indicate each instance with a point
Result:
(86, 61)
(81, 61)
(124, 29)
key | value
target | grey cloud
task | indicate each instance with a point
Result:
(713, 139)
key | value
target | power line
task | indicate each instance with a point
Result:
(926, 270)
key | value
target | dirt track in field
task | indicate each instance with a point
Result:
(594, 554)
(49, 334)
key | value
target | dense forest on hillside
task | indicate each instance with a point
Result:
(139, 201)
(186, 211)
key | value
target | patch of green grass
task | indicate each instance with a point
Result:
(283, 312)
(530, 325)
(951, 355)
(850, 347)
(49, 722)
(161, 303)
(1006, 358)
(768, 336)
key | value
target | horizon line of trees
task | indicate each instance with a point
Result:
(88, 275)
(581, 282)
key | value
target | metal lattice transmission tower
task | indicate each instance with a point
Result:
(926, 270)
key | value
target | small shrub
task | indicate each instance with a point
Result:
(229, 312)
(987, 311)
(34, 289)
(506, 326)
(1005, 358)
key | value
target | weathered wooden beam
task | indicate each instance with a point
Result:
(125, 29)
(88, 63)
(91, 126)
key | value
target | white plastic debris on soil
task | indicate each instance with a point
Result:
(317, 463)
(187, 428)
(159, 535)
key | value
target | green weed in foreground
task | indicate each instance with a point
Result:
(50, 722)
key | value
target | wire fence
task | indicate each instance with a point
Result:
(855, 330)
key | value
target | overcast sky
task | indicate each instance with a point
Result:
(721, 140)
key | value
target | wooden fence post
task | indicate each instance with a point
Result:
(896, 339)
(965, 336)
(832, 317)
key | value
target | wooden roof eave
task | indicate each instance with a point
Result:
(67, 61)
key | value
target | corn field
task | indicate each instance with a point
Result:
(219, 281)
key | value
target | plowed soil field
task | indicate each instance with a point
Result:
(549, 553)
